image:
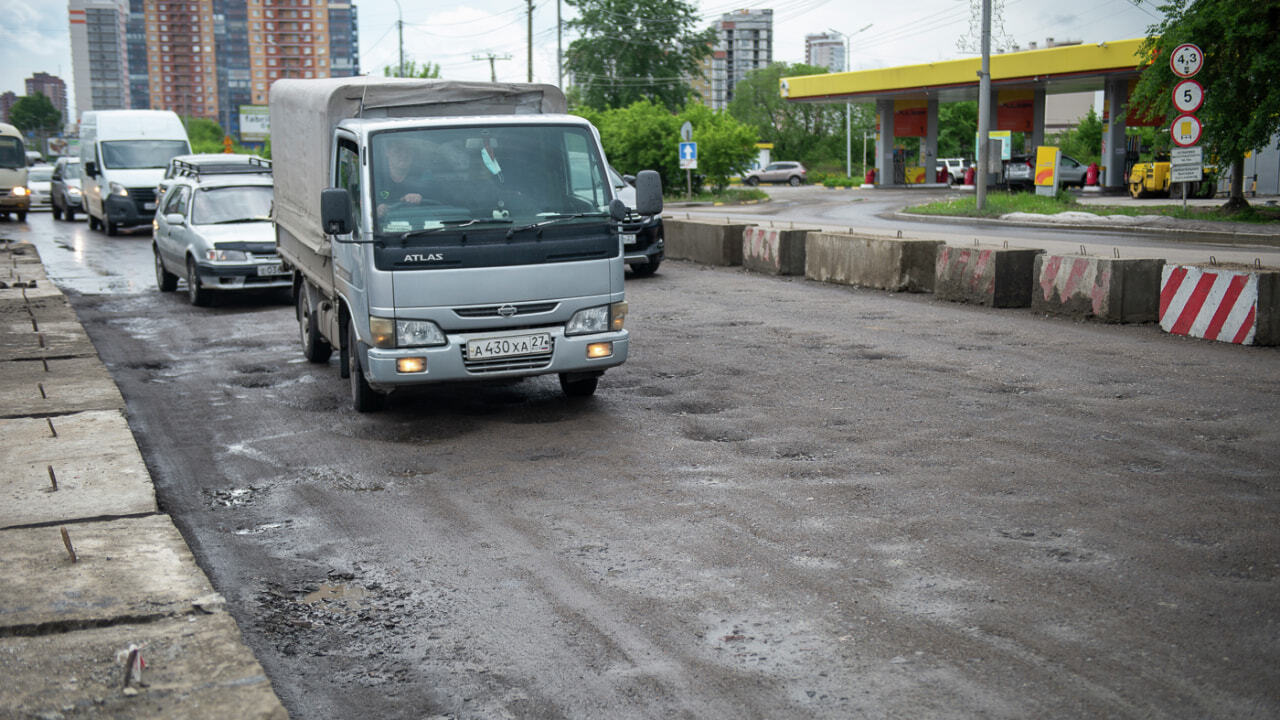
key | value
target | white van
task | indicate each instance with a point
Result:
(14, 197)
(124, 154)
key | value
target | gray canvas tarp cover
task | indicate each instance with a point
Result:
(304, 114)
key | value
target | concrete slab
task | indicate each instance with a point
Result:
(196, 668)
(99, 470)
(1109, 289)
(55, 387)
(129, 570)
(19, 341)
(704, 241)
(774, 250)
(897, 264)
(991, 276)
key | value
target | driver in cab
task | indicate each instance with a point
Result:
(398, 179)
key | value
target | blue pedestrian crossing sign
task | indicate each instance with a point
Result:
(688, 156)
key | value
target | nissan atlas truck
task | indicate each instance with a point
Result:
(443, 231)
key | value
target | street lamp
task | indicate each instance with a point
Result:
(848, 107)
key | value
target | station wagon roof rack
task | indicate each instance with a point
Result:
(255, 166)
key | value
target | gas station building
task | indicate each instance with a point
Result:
(907, 97)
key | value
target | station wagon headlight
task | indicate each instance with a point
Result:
(597, 319)
(418, 333)
(117, 189)
(73, 192)
(217, 255)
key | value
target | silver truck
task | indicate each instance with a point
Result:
(447, 231)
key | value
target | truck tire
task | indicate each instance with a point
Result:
(314, 347)
(112, 228)
(198, 296)
(22, 216)
(364, 399)
(93, 222)
(71, 214)
(57, 211)
(165, 280)
(578, 386)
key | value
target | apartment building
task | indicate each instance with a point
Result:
(52, 87)
(99, 54)
(181, 61)
(824, 50)
(744, 42)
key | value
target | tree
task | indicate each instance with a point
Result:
(1241, 110)
(631, 50)
(411, 70)
(35, 114)
(641, 136)
(957, 129)
(812, 133)
(1083, 142)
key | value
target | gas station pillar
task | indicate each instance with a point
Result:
(1037, 119)
(931, 142)
(1117, 97)
(884, 144)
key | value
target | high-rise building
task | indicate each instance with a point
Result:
(744, 42)
(231, 38)
(824, 50)
(7, 99)
(99, 54)
(287, 39)
(136, 39)
(344, 40)
(181, 62)
(52, 87)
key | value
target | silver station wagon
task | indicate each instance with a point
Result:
(213, 230)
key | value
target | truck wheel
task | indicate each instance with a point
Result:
(93, 222)
(165, 280)
(363, 398)
(57, 211)
(71, 214)
(22, 216)
(578, 386)
(112, 228)
(198, 296)
(314, 347)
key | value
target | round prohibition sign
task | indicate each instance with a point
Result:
(1185, 130)
(1188, 96)
(1186, 60)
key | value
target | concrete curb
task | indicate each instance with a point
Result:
(1191, 233)
(92, 569)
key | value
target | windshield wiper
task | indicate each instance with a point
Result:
(240, 220)
(452, 225)
(553, 218)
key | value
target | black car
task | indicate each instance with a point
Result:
(642, 239)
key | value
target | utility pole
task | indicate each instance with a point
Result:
(848, 107)
(559, 49)
(400, 27)
(984, 108)
(530, 39)
(493, 74)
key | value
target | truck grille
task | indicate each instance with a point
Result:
(141, 196)
(486, 311)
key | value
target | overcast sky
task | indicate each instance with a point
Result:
(35, 36)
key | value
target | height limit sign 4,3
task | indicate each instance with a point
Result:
(1185, 61)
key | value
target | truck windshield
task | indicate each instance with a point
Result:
(427, 178)
(232, 204)
(137, 154)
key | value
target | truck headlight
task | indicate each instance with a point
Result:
(117, 189)
(597, 319)
(19, 191)
(217, 255)
(418, 333)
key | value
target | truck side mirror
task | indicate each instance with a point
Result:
(335, 211)
(648, 192)
(91, 168)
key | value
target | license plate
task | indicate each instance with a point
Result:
(148, 206)
(486, 348)
(277, 269)
(627, 238)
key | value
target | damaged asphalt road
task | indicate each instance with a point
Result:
(794, 500)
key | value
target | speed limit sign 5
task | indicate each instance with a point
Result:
(1186, 60)
(1188, 96)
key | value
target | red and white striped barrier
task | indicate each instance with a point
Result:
(1209, 303)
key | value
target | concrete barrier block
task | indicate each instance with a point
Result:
(896, 264)
(1109, 289)
(773, 250)
(995, 277)
(702, 241)
(1230, 304)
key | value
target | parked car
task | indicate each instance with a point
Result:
(1020, 172)
(792, 173)
(643, 243)
(214, 230)
(1070, 172)
(64, 189)
(38, 179)
(955, 168)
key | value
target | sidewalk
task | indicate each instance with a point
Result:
(92, 569)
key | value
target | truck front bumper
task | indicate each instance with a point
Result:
(446, 363)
